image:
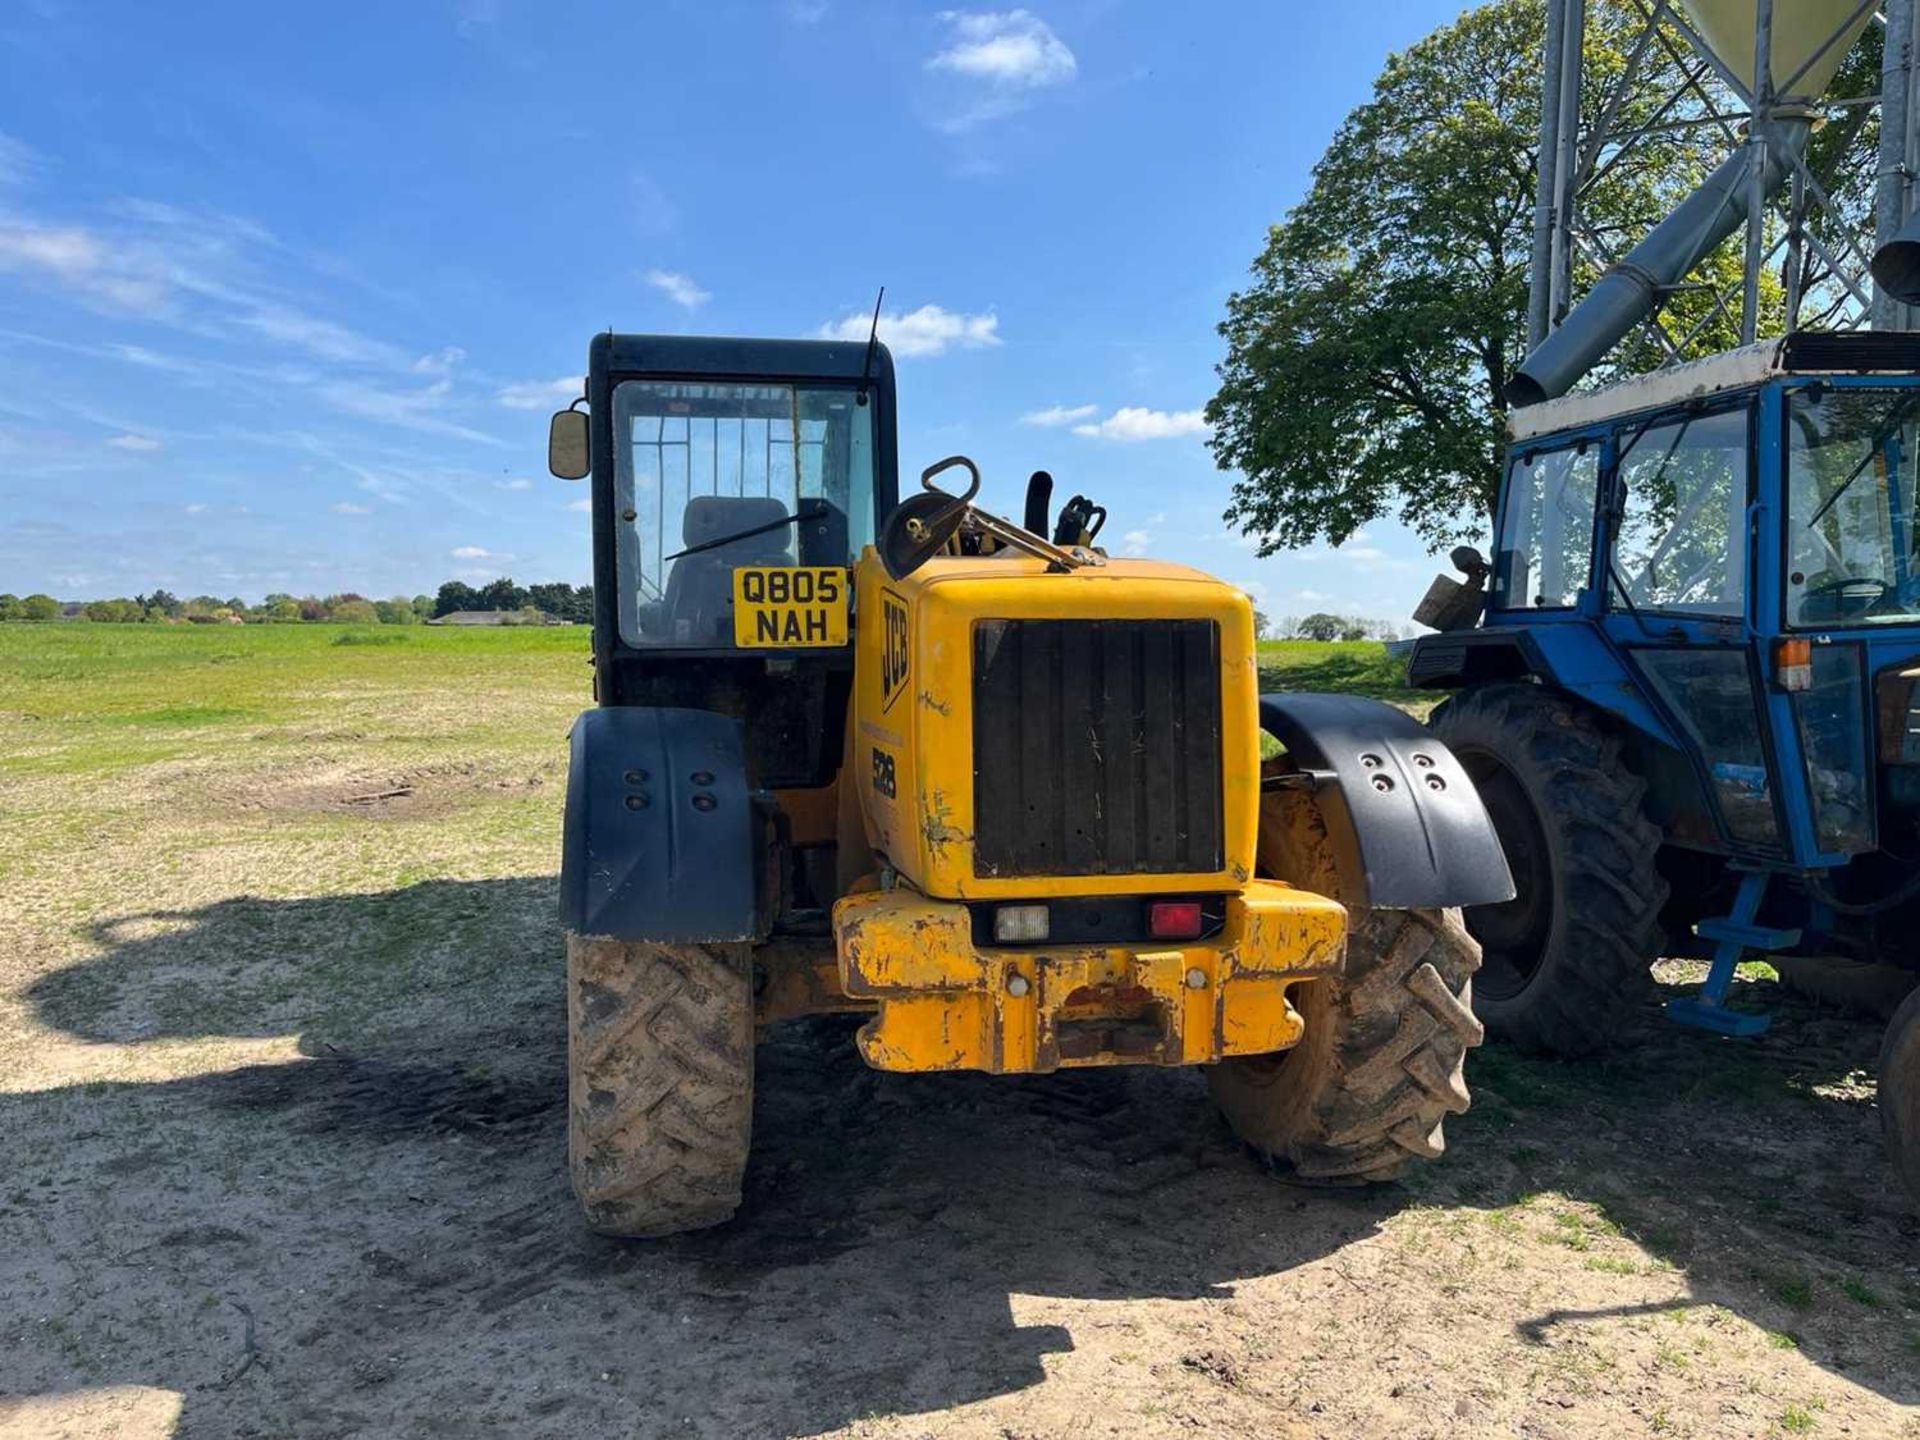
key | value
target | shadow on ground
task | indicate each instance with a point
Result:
(380, 1236)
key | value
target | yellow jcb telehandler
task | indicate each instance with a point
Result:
(996, 790)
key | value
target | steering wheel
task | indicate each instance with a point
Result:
(1843, 597)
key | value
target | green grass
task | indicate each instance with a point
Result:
(78, 697)
(1351, 667)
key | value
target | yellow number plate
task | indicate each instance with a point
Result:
(789, 607)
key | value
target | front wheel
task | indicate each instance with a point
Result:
(1568, 960)
(659, 1082)
(1900, 1093)
(1381, 1063)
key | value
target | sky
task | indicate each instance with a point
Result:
(286, 294)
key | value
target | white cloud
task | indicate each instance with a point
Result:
(17, 160)
(413, 409)
(196, 508)
(930, 330)
(999, 61)
(1058, 415)
(1135, 542)
(472, 552)
(439, 362)
(81, 260)
(347, 507)
(1133, 422)
(806, 12)
(139, 444)
(1016, 48)
(584, 505)
(320, 337)
(515, 484)
(679, 288)
(538, 394)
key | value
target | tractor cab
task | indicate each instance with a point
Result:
(1713, 569)
(734, 484)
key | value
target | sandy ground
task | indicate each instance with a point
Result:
(281, 1090)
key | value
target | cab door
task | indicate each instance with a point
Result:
(1678, 557)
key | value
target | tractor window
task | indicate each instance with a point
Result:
(1682, 541)
(1546, 533)
(1850, 504)
(709, 475)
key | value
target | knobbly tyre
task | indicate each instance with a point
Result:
(993, 789)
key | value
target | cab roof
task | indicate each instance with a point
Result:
(1806, 352)
(737, 355)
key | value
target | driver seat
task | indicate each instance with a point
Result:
(699, 598)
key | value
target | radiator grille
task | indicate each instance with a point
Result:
(1096, 747)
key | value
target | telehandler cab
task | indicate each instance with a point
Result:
(1000, 793)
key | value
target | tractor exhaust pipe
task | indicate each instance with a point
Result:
(1632, 287)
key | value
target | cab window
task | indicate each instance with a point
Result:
(710, 476)
(1681, 543)
(1546, 534)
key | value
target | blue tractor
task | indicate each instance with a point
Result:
(1686, 688)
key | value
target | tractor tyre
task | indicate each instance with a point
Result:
(1859, 986)
(1382, 1061)
(1900, 1093)
(659, 1082)
(1567, 961)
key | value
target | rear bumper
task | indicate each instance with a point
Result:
(944, 1004)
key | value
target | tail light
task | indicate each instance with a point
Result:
(1793, 663)
(1174, 919)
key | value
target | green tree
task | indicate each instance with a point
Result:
(1321, 626)
(355, 611)
(396, 611)
(456, 595)
(1367, 359)
(9, 607)
(39, 607)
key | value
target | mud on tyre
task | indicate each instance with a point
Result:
(1567, 961)
(659, 1082)
(1382, 1061)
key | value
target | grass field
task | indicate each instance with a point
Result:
(281, 1079)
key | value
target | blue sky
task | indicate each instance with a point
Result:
(286, 294)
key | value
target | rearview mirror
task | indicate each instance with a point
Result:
(568, 455)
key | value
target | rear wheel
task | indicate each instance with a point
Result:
(1382, 1061)
(659, 1082)
(1568, 960)
(1900, 1093)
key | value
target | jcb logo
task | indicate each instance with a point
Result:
(893, 649)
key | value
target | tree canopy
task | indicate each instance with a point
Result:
(1367, 359)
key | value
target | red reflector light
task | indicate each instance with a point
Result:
(1173, 919)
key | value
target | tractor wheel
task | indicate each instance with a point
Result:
(1381, 1064)
(1860, 986)
(1900, 1093)
(659, 1082)
(1568, 959)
